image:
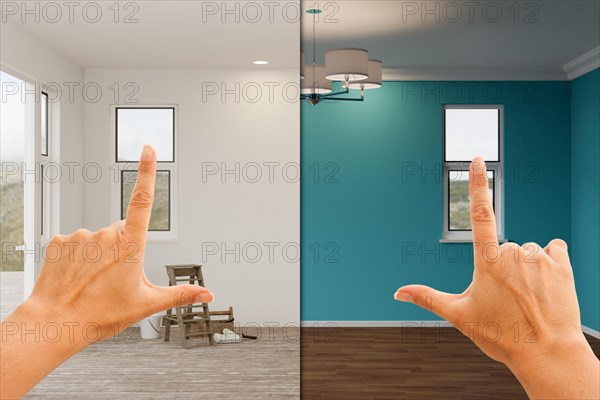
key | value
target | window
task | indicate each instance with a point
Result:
(137, 126)
(133, 128)
(44, 123)
(459, 218)
(160, 219)
(469, 131)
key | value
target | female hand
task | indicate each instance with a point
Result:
(92, 286)
(521, 307)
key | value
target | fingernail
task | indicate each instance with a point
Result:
(403, 296)
(478, 165)
(204, 297)
(147, 153)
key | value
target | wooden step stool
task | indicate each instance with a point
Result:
(187, 316)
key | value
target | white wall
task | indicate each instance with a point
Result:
(27, 57)
(210, 130)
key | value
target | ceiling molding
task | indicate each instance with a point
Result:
(476, 74)
(583, 64)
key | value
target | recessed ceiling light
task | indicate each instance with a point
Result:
(260, 62)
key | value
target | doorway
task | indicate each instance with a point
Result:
(24, 144)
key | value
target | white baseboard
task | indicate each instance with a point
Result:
(400, 324)
(590, 331)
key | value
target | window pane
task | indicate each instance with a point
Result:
(459, 214)
(160, 217)
(139, 126)
(44, 123)
(470, 133)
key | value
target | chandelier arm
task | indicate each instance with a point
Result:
(323, 95)
(343, 99)
(329, 97)
(346, 91)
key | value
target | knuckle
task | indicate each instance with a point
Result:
(480, 180)
(141, 198)
(58, 240)
(81, 234)
(424, 302)
(184, 296)
(482, 212)
(558, 243)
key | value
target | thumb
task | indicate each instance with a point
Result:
(440, 303)
(180, 295)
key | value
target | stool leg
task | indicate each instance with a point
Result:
(182, 328)
(167, 326)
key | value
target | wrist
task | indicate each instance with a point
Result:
(35, 340)
(34, 322)
(531, 356)
(544, 370)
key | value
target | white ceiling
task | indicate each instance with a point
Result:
(171, 34)
(545, 36)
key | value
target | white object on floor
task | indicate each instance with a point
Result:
(150, 327)
(228, 336)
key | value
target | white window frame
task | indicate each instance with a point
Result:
(117, 167)
(46, 187)
(449, 236)
(50, 207)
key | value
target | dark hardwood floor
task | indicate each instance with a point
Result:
(401, 363)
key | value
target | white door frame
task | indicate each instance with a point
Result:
(34, 241)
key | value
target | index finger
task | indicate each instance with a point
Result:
(142, 197)
(483, 221)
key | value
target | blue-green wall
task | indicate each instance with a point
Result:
(362, 211)
(585, 194)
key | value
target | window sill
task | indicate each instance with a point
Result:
(159, 240)
(466, 241)
(162, 236)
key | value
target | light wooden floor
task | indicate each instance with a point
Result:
(132, 368)
(129, 367)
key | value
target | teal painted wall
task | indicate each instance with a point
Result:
(585, 194)
(371, 208)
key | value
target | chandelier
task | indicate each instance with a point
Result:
(349, 66)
